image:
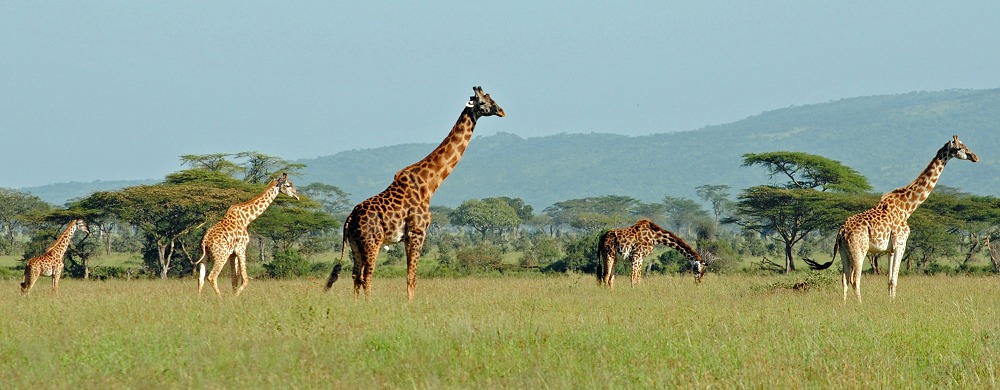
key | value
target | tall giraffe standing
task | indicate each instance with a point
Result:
(636, 242)
(884, 228)
(228, 239)
(50, 263)
(402, 211)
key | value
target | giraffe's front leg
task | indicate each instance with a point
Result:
(414, 244)
(637, 255)
(896, 258)
(636, 269)
(56, 274)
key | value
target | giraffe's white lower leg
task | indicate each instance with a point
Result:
(843, 279)
(201, 277)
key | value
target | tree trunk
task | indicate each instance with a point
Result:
(973, 248)
(789, 262)
(164, 259)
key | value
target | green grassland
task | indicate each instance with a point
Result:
(522, 332)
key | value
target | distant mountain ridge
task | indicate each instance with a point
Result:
(887, 138)
(60, 193)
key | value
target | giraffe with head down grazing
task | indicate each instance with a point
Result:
(51, 263)
(635, 243)
(402, 211)
(884, 228)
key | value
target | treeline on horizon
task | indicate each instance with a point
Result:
(741, 230)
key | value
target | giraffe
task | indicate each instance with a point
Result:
(884, 228)
(228, 238)
(636, 242)
(402, 211)
(50, 263)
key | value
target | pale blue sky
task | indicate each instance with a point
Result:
(118, 90)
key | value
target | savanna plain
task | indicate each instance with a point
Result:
(504, 332)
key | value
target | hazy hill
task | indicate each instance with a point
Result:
(60, 193)
(889, 139)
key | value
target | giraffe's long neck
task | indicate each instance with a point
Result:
(667, 238)
(917, 192)
(442, 160)
(249, 211)
(58, 249)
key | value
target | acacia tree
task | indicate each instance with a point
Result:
(594, 213)
(215, 162)
(287, 224)
(332, 199)
(259, 167)
(483, 216)
(683, 214)
(14, 206)
(166, 213)
(254, 166)
(718, 196)
(801, 206)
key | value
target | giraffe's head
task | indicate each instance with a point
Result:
(483, 105)
(81, 225)
(285, 186)
(698, 267)
(957, 149)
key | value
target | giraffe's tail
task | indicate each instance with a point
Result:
(335, 273)
(817, 266)
(601, 255)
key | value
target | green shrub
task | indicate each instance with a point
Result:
(289, 263)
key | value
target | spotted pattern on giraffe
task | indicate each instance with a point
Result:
(402, 211)
(885, 228)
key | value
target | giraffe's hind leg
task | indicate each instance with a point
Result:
(31, 274)
(244, 279)
(368, 268)
(217, 266)
(364, 266)
(608, 273)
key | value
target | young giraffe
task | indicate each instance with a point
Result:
(402, 211)
(50, 263)
(636, 242)
(884, 228)
(228, 239)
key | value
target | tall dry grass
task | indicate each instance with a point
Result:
(553, 332)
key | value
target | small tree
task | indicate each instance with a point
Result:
(798, 209)
(14, 206)
(490, 214)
